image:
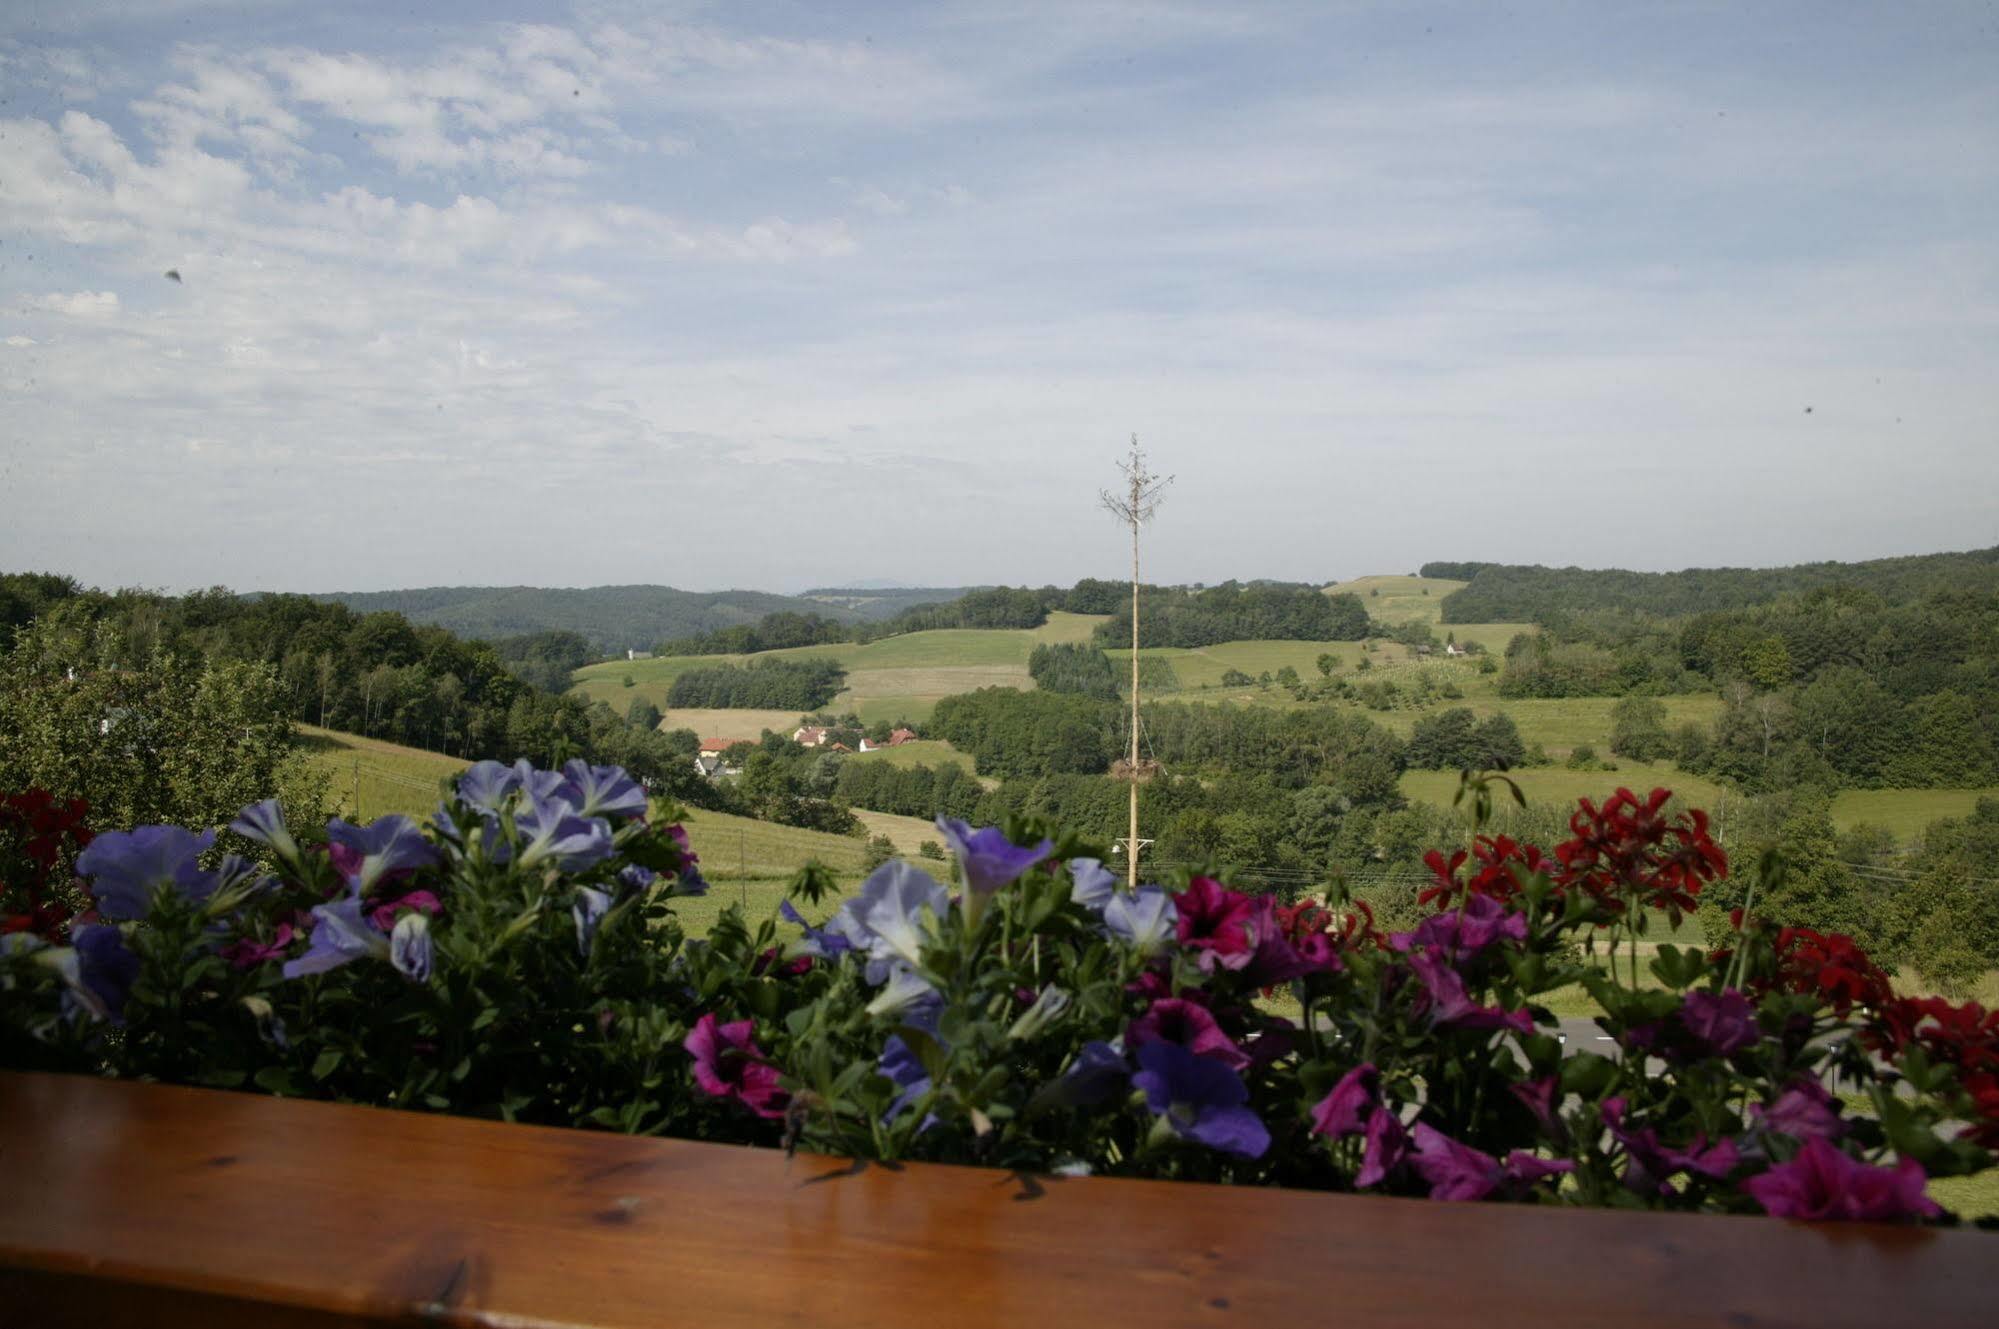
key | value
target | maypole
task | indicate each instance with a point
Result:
(1135, 507)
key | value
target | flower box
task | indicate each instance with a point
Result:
(147, 1204)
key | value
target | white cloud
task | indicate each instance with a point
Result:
(81, 304)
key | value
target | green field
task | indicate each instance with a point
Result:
(1561, 788)
(896, 678)
(1399, 599)
(929, 752)
(389, 777)
(1906, 812)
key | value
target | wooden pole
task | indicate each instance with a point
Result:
(1131, 844)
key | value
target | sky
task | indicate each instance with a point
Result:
(788, 295)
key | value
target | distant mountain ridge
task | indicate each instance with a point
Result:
(613, 618)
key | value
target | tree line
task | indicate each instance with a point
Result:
(763, 684)
(1234, 611)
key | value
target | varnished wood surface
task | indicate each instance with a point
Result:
(143, 1204)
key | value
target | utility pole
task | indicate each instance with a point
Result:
(1135, 506)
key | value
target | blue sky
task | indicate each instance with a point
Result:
(781, 295)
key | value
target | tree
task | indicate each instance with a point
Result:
(1638, 728)
(642, 714)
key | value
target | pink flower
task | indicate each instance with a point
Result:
(1456, 1171)
(1173, 1020)
(249, 952)
(1650, 1165)
(1451, 1007)
(1802, 1111)
(1214, 923)
(1822, 1182)
(383, 915)
(1725, 1021)
(729, 1064)
(1345, 1110)
(1387, 1146)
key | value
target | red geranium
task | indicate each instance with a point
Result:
(37, 832)
(1628, 851)
(1830, 966)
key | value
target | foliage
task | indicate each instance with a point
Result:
(521, 959)
(766, 684)
(1073, 667)
(1258, 611)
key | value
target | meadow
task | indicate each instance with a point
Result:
(1404, 599)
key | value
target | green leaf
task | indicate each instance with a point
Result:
(326, 1063)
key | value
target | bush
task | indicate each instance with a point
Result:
(521, 959)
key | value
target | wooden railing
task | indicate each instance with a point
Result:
(141, 1204)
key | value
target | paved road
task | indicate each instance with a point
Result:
(1582, 1035)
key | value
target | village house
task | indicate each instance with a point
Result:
(900, 736)
(809, 736)
(637, 655)
(1454, 650)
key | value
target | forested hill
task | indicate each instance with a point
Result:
(612, 618)
(1504, 593)
(877, 604)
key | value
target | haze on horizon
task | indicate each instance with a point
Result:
(772, 295)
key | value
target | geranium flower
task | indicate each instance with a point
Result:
(127, 867)
(1724, 1021)
(602, 791)
(1174, 1020)
(1200, 1098)
(1346, 1109)
(554, 831)
(1803, 1111)
(1650, 1165)
(265, 823)
(1215, 924)
(1823, 1182)
(987, 858)
(1456, 1171)
(729, 1064)
(1091, 884)
(1145, 920)
(364, 855)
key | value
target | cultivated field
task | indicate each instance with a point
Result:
(1399, 599)
(907, 834)
(929, 752)
(1558, 787)
(731, 724)
(1906, 812)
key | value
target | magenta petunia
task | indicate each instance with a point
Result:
(1803, 1111)
(729, 1064)
(1451, 1007)
(1823, 1182)
(1651, 1165)
(1387, 1146)
(1345, 1110)
(1215, 924)
(1724, 1021)
(1174, 1020)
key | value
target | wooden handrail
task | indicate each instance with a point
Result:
(146, 1204)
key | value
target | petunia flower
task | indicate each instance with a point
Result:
(822, 942)
(1465, 931)
(1386, 1148)
(486, 785)
(1097, 1072)
(1724, 1021)
(537, 785)
(248, 952)
(1803, 1111)
(729, 1064)
(1200, 1099)
(265, 823)
(1345, 1111)
(1456, 1171)
(1147, 920)
(1275, 959)
(384, 914)
(127, 867)
(410, 949)
(987, 858)
(1215, 924)
(1449, 1005)
(1650, 1165)
(99, 970)
(602, 791)
(589, 909)
(551, 829)
(889, 911)
(902, 993)
(1823, 1182)
(1175, 1020)
(1091, 884)
(900, 1065)
(388, 845)
(340, 935)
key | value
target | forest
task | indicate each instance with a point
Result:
(1235, 611)
(765, 684)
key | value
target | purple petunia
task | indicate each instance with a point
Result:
(887, 916)
(1200, 1099)
(551, 830)
(1451, 1007)
(1650, 1165)
(987, 858)
(410, 948)
(1456, 1171)
(1147, 920)
(1804, 1111)
(589, 909)
(901, 1066)
(126, 868)
(1345, 1111)
(1386, 1148)
(1097, 1072)
(729, 1064)
(486, 785)
(1823, 1182)
(1189, 1024)
(1464, 932)
(1725, 1021)
(602, 791)
(100, 970)
(1091, 884)
(341, 933)
(384, 847)
(265, 823)
(818, 941)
